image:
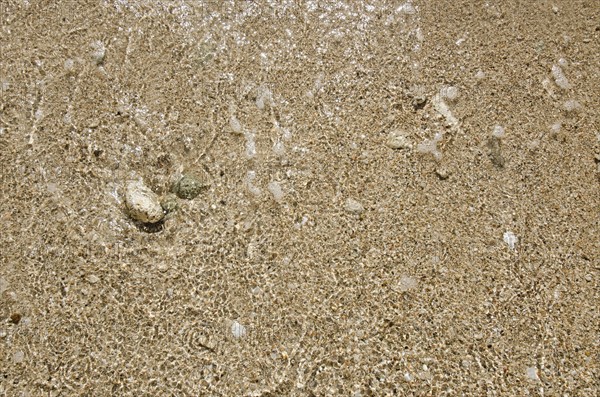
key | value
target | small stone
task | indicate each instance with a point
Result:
(92, 279)
(94, 123)
(495, 151)
(398, 139)
(407, 283)
(15, 318)
(143, 204)
(419, 96)
(442, 172)
(353, 206)
(188, 187)
(69, 66)
(235, 125)
(498, 132)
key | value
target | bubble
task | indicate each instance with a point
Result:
(571, 105)
(18, 357)
(279, 149)
(450, 93)
(498, 131)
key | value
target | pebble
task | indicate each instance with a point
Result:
(189, 187)
(442, 172)
(571, 105)
(353, 206)
(419, 96)
(92, 279)
(143, 204)
(398, 139)
(495, 151)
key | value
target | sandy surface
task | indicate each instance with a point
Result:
(321, 261)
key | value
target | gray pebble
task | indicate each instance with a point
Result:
(189, 187)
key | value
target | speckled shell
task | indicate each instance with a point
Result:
(142, 203)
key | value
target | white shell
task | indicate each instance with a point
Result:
(353, 206)
(235, 125)
(531, 373)
(238, 330)
(510, 239)
(275, 189)
(407, 283)
(143, 204)
(397, 139)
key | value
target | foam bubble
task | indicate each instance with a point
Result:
(560, 78)
(275, 189)
(498, 132)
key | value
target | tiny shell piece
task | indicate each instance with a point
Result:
(353, 206)
(143, 204)
(238, 330)
(98, 52)
(397, 139)
(510, 239)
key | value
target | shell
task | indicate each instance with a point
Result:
(143, 204)
(353, 206)
(398, 139)
(238, 330)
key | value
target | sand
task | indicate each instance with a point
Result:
(404, 198)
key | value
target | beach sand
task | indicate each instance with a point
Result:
(403, 198)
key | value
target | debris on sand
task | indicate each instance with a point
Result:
(143, 204)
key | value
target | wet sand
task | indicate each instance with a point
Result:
(403, 198)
